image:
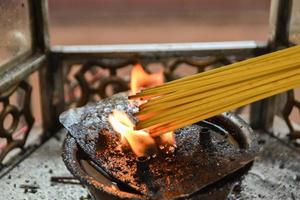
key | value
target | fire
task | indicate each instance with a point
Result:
(141, 79)
(167, 139)
(140, 142)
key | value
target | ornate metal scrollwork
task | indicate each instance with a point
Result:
(290, 103)
(17, 114)
(106, 74)
(87, 87)
(201, 63)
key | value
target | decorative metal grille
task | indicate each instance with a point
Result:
(97, 79)
(14, 133)
(290, 103)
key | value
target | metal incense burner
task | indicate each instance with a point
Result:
(207, 153)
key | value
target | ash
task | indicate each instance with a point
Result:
(85, 123)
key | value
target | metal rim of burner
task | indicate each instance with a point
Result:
(235, 126)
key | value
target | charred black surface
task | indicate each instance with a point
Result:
(86, 123)
(99, 183)
(194, 165)
(191, 167)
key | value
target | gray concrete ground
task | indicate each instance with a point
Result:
(274, 174)
(36, 172)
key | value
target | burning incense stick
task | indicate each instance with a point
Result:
(191, 99)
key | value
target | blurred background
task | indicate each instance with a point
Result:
(73, 22)
(157, 21)
(91, 22)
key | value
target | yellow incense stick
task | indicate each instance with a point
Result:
(292, 51)
(197, 97)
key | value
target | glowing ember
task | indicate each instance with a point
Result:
(141, 142)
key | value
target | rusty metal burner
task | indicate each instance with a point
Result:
(206, 153)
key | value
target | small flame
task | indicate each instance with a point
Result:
(141, 79)
(141, 143)
(168, 138)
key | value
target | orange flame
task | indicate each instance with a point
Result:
(168, 138)
(141, 142)
(141, 79)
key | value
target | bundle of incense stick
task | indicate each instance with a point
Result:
(194, 98)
